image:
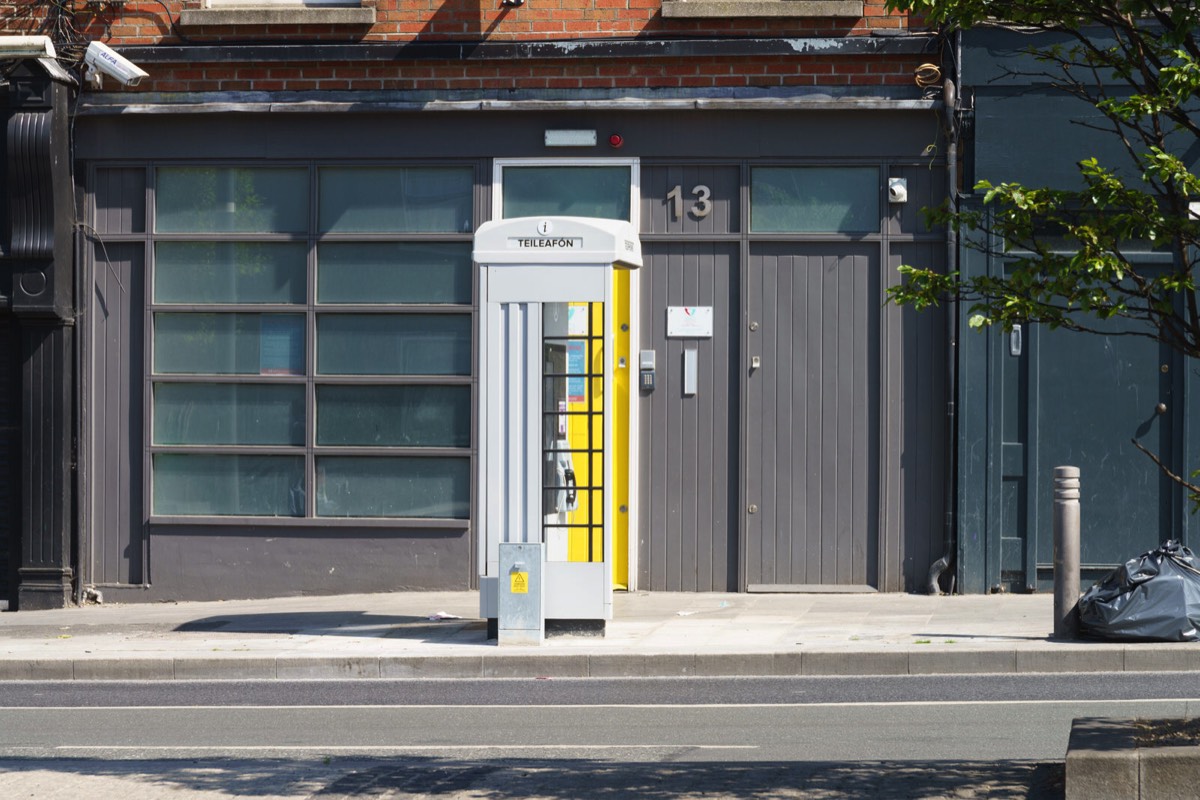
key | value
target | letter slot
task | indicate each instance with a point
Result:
(690, 370)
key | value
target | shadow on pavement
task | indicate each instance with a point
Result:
(984, 636)
(331, 623)
(508, 779)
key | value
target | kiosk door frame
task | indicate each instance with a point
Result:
(526, 263)
(512, 332)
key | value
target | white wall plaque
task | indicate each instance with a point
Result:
(694, 322)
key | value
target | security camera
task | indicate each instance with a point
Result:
(102, 58)
(897, 190)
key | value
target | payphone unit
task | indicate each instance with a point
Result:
(546, 418)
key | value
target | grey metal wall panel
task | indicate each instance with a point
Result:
(693, 134)
(117, 530)
(926, 189)
(708, 201)
(915, 396)
(120, 200)
(10, 459)
(689, 471)
(1089, 396)
(813, 429)
(216, 562)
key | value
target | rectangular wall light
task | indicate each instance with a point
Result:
(568, 138)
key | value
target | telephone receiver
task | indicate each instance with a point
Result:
(569, 481)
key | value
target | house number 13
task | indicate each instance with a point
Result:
(699, 209)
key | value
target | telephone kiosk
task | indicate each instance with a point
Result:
(546, 419)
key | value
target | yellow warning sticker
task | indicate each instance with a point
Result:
(519, 582)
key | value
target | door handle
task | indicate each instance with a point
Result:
(755, 362)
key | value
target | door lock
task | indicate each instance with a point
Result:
(752, 509)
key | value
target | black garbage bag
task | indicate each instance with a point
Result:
(1155, 596)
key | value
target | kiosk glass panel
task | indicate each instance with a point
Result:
(573, 430)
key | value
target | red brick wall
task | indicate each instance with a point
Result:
(145, 22)
(576, 74)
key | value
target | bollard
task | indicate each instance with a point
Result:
(1066, 552)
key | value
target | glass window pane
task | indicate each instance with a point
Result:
(221, 485)
(231, 199)
(230, 272)
(393, 487)
(572, 191)
(394, 344)
(396, 199)
(392, 272)
(814, 199)
(229, 344)
(228, 413)
(394, 416)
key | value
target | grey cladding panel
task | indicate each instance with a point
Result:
(1092, 395)
(915, 396)
(926, 189)
(117, 530)
(694, 134)
(687, 521)
(121, 200)
(812, 450)
(10, 459)
(1038, 137)
(707, 202)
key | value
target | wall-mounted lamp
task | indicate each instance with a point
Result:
(570, 138)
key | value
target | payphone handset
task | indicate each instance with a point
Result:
(567, 497)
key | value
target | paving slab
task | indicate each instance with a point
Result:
(439, 635)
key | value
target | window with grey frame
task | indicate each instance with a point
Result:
(311, 341)
(814, 199)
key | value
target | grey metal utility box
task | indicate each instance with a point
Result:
(520, 620)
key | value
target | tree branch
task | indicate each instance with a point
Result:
(1191, 487)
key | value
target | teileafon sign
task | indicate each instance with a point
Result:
(546, 242)
(529, 241)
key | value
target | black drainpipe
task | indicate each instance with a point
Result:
(952, 86)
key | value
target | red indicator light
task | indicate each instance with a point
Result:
(615, 140)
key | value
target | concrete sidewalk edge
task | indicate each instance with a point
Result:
(1104, 759)
(1099, 658)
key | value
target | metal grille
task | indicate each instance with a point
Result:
(573, 430)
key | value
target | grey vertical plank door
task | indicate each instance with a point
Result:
(812, 441)
(116, 552)
(687, 522)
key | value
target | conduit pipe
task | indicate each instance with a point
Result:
(953, 92)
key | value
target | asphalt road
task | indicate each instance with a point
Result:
(601, 691)
(998, 735)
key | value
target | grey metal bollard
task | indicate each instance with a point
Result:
(1066, 552)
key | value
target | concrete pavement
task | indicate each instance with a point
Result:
(340, 778)
(438, 635)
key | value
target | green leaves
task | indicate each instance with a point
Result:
(1123, 243)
